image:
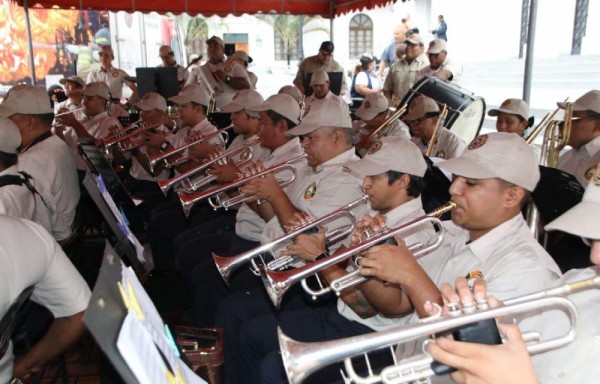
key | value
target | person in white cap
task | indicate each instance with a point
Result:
(44, 156)
(292, 91)
(488, 236)
(246, 125)
(392, 173)
(440, 65)
(243, 59)
(167, 56)
(20, 195)
(403, 74)
(218, 76)
(99, 123)
(75, 99)
(30, 257)
(372, 113)
(423, 118)
(512, 116)
(583, 157)
(319, 82)
(323, 60)
(115, 78)
(510, 362)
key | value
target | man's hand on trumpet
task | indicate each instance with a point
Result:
(305, 246)
(67, 119)
(478, 363)
(225, 170)
(154, 139)
(261, 188)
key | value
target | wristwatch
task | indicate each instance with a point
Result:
(164, 145)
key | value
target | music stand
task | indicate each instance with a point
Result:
(162, 80)
(556, 192)
(335, 83)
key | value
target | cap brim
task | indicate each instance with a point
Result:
(581, 220)
(465, 167)
(576, 107)
(6, 111)
(366, 167)
(363, 114)
(145, 107)
(302, 129)
(180, 99)
(434, 51)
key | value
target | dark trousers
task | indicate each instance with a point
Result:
(210, 288)
(258, 353)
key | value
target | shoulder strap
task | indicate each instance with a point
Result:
(10, 180)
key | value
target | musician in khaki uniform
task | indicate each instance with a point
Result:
(487, 236)
(403, 74)
(372, 113)
(440, 65)
(218, 75)
(113, 77)
(510, 362)
(583, 158)
(324, 61)
(423, 118)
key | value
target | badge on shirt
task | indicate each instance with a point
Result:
(472, 276)
(596, 178)
(441, 154)
(115, 74)
(591, 173)
(477, 142)
(375, 147)
(310, 191)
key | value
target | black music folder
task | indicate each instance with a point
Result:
(556, 192)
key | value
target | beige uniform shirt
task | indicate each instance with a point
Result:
(99, 126)
(224, 93)
(249, 225)
(113, 77)
(576, 362)
(312, 63)
(402, 76)
(449, 65)
(400, 215)
(448, 145)
(582, 163)
(321, 191)
(138, 172)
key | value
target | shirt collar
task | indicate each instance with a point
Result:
(488, 243)
(339, 160)
(99, 116)
(412, 208)
(295, 142)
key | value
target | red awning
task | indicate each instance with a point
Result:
(325, 8)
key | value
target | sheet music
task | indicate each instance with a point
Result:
(148, 309)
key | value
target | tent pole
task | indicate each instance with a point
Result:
(529, 54)
(29, 43)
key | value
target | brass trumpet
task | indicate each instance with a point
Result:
(191, 185)
(188, 201)
(153, 161)
(226, 265)
(278, 282)
(132, 130)
(301, 359)
(399, 112)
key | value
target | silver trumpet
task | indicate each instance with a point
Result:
(128, 132)
(226, 265)
(153, 161)
(69, 112)
(301, 359)
(191, 185)
(189, 200)
(278, 282)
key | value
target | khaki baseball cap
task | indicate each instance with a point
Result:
(436, 46)
(415, 39)
(26, 100)
(419, 107)
(391, 153)
(327, 113)
(590, 101)
(241, 55)
(191, 93)
(319, 77)
(152, 100)
(10, 137)
(372, 105)
(73, 79)
(499, 154)
(512, 106)
(283, 104)
(96, 88)
(582, 219)
(215, 39)
(292, 91)
(244, 99)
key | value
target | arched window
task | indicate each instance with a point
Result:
(361, 35)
